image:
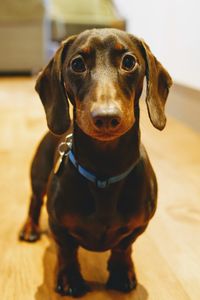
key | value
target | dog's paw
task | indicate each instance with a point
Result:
(123, 282)
(76, 289)
(30, 232)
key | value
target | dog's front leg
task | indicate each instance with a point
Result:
(69, 280)
(120, 265)
(30, 231)
(122, 275)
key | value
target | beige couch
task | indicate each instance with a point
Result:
(24, 35)
(73, 16)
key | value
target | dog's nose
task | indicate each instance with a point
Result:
(107, 118)
(107, 122)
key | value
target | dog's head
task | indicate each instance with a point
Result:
(101, 71)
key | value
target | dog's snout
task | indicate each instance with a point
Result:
(107, 122)
(106, 118)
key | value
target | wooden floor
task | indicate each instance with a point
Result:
(167, 256)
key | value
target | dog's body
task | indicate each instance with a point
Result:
(101, 72)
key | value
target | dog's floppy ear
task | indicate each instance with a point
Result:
(158, 84)
(50, 88)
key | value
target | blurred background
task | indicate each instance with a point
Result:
(28, 27)
(30, 32)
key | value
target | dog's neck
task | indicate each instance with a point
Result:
(106, 158)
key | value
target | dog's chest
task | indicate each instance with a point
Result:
(70, 196)
(98, 219)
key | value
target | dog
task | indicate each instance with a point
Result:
(101, 188)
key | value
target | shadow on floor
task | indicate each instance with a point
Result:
(98, 292)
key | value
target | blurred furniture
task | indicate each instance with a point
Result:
(73, 16)
(23, 35)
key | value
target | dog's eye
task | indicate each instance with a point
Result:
(78, 65)
(128, 62)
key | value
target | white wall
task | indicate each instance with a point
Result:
(172, 29)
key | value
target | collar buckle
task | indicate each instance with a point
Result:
(102, 183)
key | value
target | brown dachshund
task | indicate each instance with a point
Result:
(101, 188)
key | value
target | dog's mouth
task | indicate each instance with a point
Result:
(106, 136)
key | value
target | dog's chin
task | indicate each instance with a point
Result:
(106, 136)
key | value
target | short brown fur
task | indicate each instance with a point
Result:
(104, 83)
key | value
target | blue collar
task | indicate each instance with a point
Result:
(91, 177)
